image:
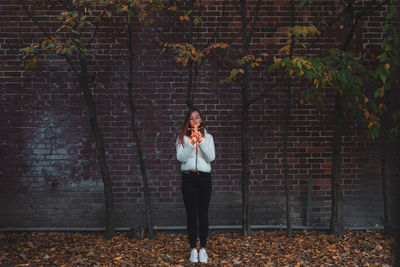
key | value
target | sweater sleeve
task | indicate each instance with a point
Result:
(207, 148)
(183, 152)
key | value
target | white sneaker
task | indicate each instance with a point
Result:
(194, 256)
(203, 255)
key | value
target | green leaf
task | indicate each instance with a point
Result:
(302, 3)
(377, 92)
(308, 93)
(386, 27)
(383, 57)
(82, 50)
(74, 48)
(383, 77)
(75, 32)
(391, 14)
(78, 41)
(66, 51)
(309, 75)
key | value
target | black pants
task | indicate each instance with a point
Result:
(196, 191)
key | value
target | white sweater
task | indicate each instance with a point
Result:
(187, 154)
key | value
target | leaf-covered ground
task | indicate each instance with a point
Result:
(305, 248)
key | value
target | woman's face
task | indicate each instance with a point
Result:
(195, 119)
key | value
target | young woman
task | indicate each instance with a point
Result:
(195, 150)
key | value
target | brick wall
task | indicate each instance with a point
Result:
(48, 167)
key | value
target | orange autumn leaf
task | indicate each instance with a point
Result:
(173, 8)
(382, 91)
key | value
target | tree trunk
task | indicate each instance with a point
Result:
(245, 156)
(189, 91)
(286, 133)
(100, 150)
(82, 77)
(337, 217)
(137, 138)
(244, 127)
(285, 164)
(384, 167)
(245, 179)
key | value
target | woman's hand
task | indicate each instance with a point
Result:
(196, 138)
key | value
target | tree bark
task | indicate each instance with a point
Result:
(189, 91)
(245, 179)
(286, 133)
(245, 156)
(244, 127)
(337, 218)
(285, 163)
(142, 164)
(384, 168)
(384, 171)
(100, 150)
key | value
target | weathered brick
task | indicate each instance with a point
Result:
(49, 167)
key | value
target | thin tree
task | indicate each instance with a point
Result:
(245, 179)
(136, 136)
(137, 11)
(191, 63)
(286, 128)
(388, 74)
(335, 67)
(243, 68)
(337, 218)
(350, 21)
(191, 53)
(73, 50)
(140, 14)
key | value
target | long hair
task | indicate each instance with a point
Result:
(186, 129)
